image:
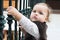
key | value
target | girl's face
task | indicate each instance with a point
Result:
(39, 13)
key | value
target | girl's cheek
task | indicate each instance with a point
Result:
(42, 19)
(32, 15)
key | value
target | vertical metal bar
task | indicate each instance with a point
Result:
(10, 2)
(1, 7)
(26, 8)
(22, 37)
(2, 21)
(20, 4)
(19, 34)
(10, 18)
(19, 25)
(16, 2)
(26, 4)
(23, 4)
(9, 33)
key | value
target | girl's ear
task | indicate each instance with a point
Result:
(46, 19)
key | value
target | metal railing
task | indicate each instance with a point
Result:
(23, 7)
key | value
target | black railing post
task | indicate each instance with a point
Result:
(16, 1)
(10, 18)
(20, 25)
(2, 21)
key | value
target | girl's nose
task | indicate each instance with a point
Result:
(36, 14)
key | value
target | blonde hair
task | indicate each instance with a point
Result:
(49, 9)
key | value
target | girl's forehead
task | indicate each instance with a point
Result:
(39, 7)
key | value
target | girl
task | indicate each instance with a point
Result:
(35, 30)
(40, 15)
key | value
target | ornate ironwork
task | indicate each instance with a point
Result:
(2, 21)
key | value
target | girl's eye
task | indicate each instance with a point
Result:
(34, 11)
(41, 13)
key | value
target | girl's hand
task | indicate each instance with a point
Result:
(11, 10)
(14, 12)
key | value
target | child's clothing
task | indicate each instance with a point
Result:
(42, 32)
(29, 27)
(35, 31)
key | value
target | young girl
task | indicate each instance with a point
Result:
(36, 28)
(40, 15)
